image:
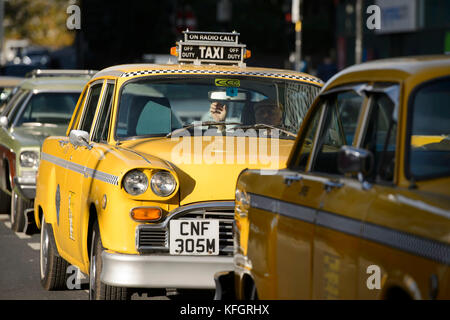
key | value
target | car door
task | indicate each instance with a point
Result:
(77, 179)
(296, 211)
(391, 244)
(342, 202)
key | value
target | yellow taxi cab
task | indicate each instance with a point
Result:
(362, 210)
(140, 191)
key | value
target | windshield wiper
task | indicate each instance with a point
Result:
(263, 125)
(202, 124)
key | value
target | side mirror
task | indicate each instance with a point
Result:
(3, 121)
(79, 138)
(355, 161)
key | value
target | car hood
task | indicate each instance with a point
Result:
(208, 167)
(35, 135)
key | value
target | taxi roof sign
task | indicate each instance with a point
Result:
(211, 47)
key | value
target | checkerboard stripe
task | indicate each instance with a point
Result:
(213, 72)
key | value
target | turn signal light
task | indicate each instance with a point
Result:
(173, 51)
(146, 213)
(248, 54)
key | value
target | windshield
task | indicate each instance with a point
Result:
(49, 107)
(430, 131)
(150, 107)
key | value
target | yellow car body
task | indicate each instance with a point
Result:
(322, 230)
(78, 185)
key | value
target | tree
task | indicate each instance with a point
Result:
(43, 22)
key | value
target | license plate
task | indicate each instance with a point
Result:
(194, 237)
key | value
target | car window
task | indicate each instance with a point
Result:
(101, 131)
(338, 129)
(16, 104)
(78, 111)
(49, 107)
(430, 130)
(380, 136)
(300, 158)
(91, 106)
(12, 102)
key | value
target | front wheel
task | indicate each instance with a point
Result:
(53, 267)
(97, 289)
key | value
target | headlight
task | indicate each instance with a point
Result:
(29, 159)
(135, 182)
(163, 183)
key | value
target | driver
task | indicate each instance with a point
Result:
(266, 112)
(218, 111)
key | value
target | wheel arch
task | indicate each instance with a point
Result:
(248, 285)
(92, 219)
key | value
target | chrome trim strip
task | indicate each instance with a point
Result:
(424, 247)
(85, 171)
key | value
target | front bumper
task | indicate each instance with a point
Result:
(162, 271)
(25, 187)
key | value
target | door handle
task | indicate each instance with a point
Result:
(62, 143)
(288, 180)
(330, 184)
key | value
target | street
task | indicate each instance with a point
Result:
(19, 263)
(19, 277)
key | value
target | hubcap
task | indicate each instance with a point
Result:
(92, 270)
(44, 249)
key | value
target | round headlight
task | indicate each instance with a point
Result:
(135, 182)
(163, 183)
(29, 159)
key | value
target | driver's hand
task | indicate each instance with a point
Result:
(218, 111)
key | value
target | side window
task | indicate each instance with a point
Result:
(380, 137)
(429, 131)
(78, 111)
(301, 158)
(338, 129)
(102, 128)
(89, 109)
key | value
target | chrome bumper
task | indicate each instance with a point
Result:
(162, 271)
(26, 188)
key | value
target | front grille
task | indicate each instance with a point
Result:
(155, 238)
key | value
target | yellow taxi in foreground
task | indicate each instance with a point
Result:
(140, 193)
(363, 209)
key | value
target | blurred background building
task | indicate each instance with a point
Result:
(116, 32)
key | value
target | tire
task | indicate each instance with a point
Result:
(5, 203)
(53, 268)
(97, 289)
(18, 207)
